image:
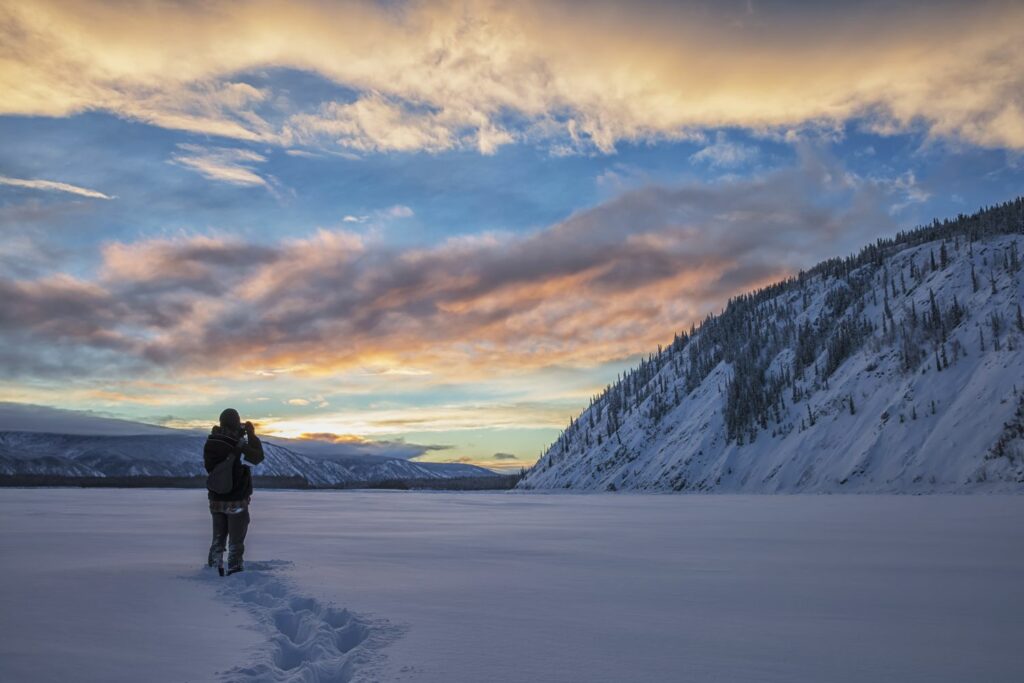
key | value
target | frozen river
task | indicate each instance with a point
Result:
(106, 585)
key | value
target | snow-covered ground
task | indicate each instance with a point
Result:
(106, 585)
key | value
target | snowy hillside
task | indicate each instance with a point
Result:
(180, 455)
(898, 369)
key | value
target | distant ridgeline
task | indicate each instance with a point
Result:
(898, 369)
(175, 460)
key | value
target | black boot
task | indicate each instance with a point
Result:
(235, 552)
(216, 559)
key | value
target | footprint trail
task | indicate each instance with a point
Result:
(310, 641)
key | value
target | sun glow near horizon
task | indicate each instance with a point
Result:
(449, 224)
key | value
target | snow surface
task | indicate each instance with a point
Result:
(105, 585)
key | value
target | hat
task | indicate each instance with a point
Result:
(230, 419)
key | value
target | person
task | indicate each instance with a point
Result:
(230, 511)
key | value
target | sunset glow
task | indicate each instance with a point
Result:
(448, 224)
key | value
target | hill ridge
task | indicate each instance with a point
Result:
(740, 402)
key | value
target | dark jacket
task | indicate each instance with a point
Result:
(222, 444)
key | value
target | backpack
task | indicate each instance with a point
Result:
(221, 479)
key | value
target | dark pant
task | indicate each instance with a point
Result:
(233, 526)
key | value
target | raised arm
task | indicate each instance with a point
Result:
(253, 450)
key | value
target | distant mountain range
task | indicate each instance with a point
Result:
(180, 455)
(899, 369)
(41, 441)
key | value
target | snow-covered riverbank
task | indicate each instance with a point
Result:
(105, 585)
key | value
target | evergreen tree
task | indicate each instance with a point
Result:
(935, 324)
(996, 321)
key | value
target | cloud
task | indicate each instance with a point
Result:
(480, 74)
(205, 264)
(317, 401)
(333, 446)
(63, 309)
(394, 212)
(621, 177)
(504, 456)
(232, 166)
(330, 437)
(724, 154)
(379, 421)
(53, 186)
(913, 192)
(303, 153)
(398, 211)
(604, 284)
(373, 124)
(377, 124)
(30, 250)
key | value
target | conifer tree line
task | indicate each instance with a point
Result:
(781, 346)
(1013, 433)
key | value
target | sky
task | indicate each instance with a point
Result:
(443, 226)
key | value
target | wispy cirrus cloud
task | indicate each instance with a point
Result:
(53, 186)
(226, 165)
(481, 74)
(723, 153)
(398, 211)
(393, 212)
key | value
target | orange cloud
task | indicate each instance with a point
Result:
(437, 75)
(445, 418)
(330, 437)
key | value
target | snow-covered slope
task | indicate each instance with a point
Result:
(899, 369)
(180, 455)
